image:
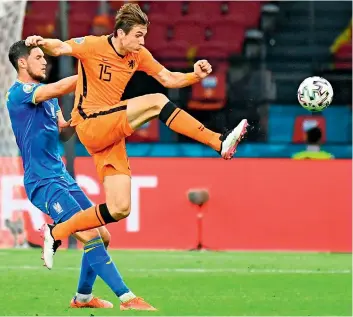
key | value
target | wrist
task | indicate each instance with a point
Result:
(192, 78)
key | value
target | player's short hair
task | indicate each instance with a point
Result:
(17, 51)
(129, 15)
(313, 135)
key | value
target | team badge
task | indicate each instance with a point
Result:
(27, 88)
(79, 40)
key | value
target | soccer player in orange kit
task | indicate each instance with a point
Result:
(103, 121)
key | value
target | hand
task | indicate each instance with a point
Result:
(202, 68)
(64, 124)
(34, 40)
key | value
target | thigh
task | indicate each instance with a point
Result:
(104, 128)
(78, 194)
(144, 108)
(55, 200)
(112, 160)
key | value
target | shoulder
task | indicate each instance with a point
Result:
(22, 89)
(87, 43)
(144, 55)
(143, 52)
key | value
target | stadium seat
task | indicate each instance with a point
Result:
(343, 57)
(191, 29)
(159, 31)
(210, 93)
(173, 54)
(171, 9)
(115, 5)
(88, 7)
(228, 31)
(212, 50)
(303, 123)
(48, 7)
(246, 13)
(41, 24)
(80, 24)
(212, 8)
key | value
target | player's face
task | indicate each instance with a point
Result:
(36, 64)
(135, 39)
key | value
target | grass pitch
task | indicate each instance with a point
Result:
(185, 283)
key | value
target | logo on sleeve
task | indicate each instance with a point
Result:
(79, 40)
(27, 88)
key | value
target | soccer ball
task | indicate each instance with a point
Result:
(315, 94)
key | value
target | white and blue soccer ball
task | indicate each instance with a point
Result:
(315, 94)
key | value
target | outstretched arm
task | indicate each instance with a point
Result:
(55, 90)
(53, 47)
(179, 80)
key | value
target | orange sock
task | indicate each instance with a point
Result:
(83, 220)
(180, 121)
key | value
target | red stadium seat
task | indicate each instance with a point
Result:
(228, 31)
(302, 123)
(159, 31)
(116, 5)
(210, 93)
(191, 29)
(172, 54)
(212, 8)
(49, 7)
(343, 57)
(79, 25)
(40, 24)
(246, 13)
(171, 9)
(84, 7)
(213, 50)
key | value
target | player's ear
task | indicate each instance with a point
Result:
(22, 62)
(121, 33)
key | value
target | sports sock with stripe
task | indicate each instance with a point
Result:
(180, 121)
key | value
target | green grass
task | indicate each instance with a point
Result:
(186, 283)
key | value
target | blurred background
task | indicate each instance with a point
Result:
(260, 51)
(288, 189)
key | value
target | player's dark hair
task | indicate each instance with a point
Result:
(17, 51)
(313, 135)
(129, 15)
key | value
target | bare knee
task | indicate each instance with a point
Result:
(119, 209)
(158, 101)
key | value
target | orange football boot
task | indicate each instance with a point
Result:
(136, 303)
(95, 302)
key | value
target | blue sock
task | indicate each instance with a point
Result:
(87, 277)
(103, 265)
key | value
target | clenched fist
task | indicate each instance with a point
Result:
(202, 68)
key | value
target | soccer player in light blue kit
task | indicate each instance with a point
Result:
(38, 125)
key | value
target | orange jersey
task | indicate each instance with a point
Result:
(103, 74)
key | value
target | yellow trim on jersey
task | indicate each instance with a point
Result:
(34, 96)
(98, 241)
(90, 249)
